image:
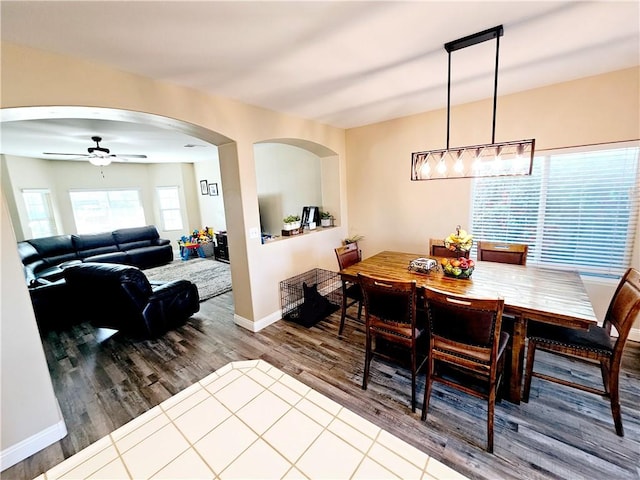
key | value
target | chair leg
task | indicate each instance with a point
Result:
(427, 389)
(604, 368)
(531, 353)
(413, 377)
(360, 309)
(343, 313)
(490, 414)
(367, 362)
(614, 394)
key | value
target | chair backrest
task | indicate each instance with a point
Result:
(501, 252)
(437, 249)
(624, 308)
(467, 327)
(348, 254)
(390, 301)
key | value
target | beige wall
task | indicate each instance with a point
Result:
(28, 407)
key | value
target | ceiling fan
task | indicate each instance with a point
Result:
(98, 155)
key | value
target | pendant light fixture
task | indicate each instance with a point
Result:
(488, 160)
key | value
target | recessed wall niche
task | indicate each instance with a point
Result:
(291, 174)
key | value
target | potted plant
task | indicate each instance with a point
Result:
(326, 219)
(291, 222)
(352, 239)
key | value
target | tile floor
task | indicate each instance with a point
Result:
(249, 420)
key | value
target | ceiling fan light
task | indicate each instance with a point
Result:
(100, 161)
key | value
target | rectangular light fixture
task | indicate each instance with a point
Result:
(489, 160)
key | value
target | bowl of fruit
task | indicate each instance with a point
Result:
(457, 267)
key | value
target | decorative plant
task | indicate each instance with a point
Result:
(291, 218)
(325, 215)
(352, 239)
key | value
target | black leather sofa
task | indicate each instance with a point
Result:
(121, 297)
(45, 259)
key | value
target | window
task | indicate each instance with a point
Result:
(169, 202)
(101, 211)
(578, 209)
(39, 212)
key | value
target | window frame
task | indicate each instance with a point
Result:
(114, 223)
(49, 218)
(177, 209)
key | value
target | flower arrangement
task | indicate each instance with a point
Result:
(459, 241)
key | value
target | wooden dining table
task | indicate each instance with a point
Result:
(529, 292)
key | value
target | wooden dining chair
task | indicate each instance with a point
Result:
(466, 348)
(348, 255)
(501, 252)
(515, 254)
(437, 249)
(595, 345)
(391, 321)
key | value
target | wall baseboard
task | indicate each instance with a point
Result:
(27, 447)
(259, 324)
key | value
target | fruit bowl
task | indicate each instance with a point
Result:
(457, 267)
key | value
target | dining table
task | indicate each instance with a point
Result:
(530, 293)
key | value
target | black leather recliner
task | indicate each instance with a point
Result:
(121, 297)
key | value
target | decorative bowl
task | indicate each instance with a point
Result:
(457, 267)
(457, 272)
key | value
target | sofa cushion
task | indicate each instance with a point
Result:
(136, 234)
(55, 250)
(94, 244)
(28, 253)
(148, 257)
(112, 257)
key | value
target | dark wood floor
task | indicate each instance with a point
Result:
(104, 382)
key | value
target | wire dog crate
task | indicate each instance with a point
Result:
(328, 284)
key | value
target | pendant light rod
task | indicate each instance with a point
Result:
(464, 42)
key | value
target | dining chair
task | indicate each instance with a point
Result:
(595, 345)
(437, 249)
(514, 253)
(466, 348)
(348, 255)
(391, 321)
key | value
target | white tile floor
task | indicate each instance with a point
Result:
(249, 420)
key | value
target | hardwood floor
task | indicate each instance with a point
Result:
(103, 382)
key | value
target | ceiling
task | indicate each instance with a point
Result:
(343, 63)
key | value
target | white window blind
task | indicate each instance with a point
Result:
(578, 209)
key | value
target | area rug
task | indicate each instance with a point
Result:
(210, 276)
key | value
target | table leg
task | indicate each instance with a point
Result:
(517, 359)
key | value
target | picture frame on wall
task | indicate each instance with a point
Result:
(213, 189)
(204, 188)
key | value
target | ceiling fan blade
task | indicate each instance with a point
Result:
(122, 155)
(73, 154)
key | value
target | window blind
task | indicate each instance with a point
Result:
(578, 209)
